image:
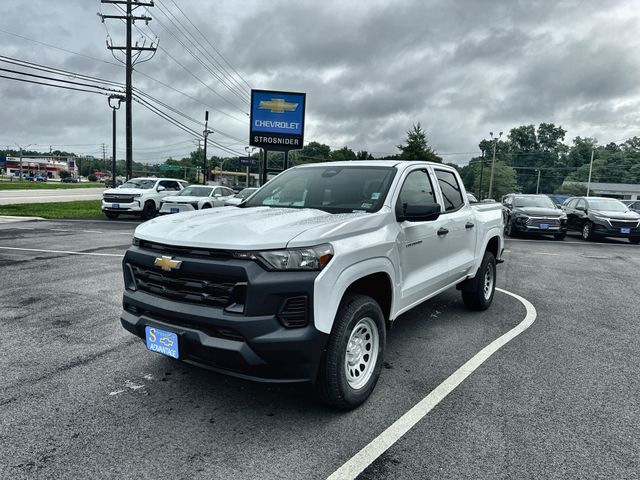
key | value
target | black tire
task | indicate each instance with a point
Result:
(587, 231)
(149, 210)
(111, 215)
(206, 205)
(332, 382)
(560, 236)
(479, 298)
(634, 240)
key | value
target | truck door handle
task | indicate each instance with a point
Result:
(469, 225)
(442, 231)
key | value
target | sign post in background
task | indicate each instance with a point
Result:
(277, 123)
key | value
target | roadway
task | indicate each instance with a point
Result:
(49, 195)
(83, 398)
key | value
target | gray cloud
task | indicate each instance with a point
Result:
(370, 70)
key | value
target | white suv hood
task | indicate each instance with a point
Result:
(126, 191)
(256, 228)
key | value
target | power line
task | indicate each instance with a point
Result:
(71, 82)
(235, 87)
(53, 85)
(212, 46)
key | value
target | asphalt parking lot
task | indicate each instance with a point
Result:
(83, 398)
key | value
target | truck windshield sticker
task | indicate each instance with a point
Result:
(366, 205)
(375, 195)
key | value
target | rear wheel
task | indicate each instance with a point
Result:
(351, 365)
(560, 236)
(206, 205)
(111, 215)
(481, 296)
(587, 231)
(149, 210)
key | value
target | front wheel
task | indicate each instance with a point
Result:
(111, 215)
(481, 296)
(351, 365)
(587, 231)
(560, 236)
(149, 210)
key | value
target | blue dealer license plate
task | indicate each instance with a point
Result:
(544, 226)
(175, 210)
(625, 230)
(161, 341)
(115, 205)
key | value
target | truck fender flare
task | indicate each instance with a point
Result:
(469, 284)
(328, 293)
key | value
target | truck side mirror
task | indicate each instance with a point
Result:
(418, 213)
(160, 188)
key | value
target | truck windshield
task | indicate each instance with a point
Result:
(607, 204)
(542, 202)
(196, 192)
(142, 184)
(334, 189)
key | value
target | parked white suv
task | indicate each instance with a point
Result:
(196, 197)
(139, 196)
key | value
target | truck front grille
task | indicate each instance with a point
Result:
(623, 223)
(213, 290)
(118, 198)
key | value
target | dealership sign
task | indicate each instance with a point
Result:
(277, 120)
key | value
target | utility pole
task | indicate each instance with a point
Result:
(20, 147)
(538, 184)
(493, 162)
(205, 134)
(130, 19)
(590, 169)
(115, 106)
(481, 172)
(249, 151)
(104, 157)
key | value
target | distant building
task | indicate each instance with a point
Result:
(49, 167)
(622, 191)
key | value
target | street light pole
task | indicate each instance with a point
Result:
(590, 168)
(115, 106)
(538, 184)
(206, 134)
(249, 151)
(481, 172)
(493, 162)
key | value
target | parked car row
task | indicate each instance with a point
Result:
(146, 197)
(593, 217)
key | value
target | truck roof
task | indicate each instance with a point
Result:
(375, 163)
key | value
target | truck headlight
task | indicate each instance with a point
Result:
(563, 216)
(135, 242)
(136, 195)
(310, 258)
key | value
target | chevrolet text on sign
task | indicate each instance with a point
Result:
(277, 120)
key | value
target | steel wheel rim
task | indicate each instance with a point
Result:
(488, 282)
(362, 353)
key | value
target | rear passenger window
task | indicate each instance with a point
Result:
(451, 192)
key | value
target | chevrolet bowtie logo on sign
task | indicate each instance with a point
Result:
(167, 263)
(277, 105)
(277, 120)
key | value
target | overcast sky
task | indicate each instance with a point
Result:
(370, 70)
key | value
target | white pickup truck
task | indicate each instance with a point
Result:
(301, 283)
(139, 196)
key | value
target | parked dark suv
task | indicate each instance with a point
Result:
(602, 217)
(533, 214)
(633, 205)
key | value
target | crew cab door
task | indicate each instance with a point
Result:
(460, 222)
(422, 252)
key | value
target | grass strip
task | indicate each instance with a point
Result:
(77, 209)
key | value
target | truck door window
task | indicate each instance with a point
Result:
(451, 192)
(416, 190)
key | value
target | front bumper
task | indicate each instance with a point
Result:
(521, 226)
(171, 207)
(605, 229)
(134, 206)
(249, 341)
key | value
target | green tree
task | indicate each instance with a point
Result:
(345, 153)
(417, 147)
(504, 180)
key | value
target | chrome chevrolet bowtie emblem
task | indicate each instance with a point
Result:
(167, 263)
(277, 105)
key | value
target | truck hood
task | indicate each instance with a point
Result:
(539, 211)
(257, 228)
(126, 191)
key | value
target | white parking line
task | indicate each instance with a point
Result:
(64, 251)
(365, 457)
(547, 253)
